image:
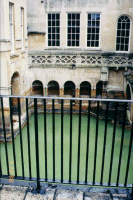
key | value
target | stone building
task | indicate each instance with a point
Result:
(80, 47)
(75, 48)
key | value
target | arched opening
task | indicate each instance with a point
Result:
(99, 88)
(128, 93)
(53, 88)
(85, 88)
(15, 90)
(69, 88)
(37, 88)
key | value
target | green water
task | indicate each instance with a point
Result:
(74, 150)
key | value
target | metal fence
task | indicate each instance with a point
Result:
(94, 107)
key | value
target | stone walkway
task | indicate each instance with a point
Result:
(61, 192)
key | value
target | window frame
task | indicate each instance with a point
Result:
(11, 26)
(51, 32)
(75, 26)
(22, 26)
(117, 51)
(91, 47)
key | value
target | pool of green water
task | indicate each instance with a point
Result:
(66, 137)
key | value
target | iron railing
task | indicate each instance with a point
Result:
(98, 102)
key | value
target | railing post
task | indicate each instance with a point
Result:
(28, 137)
(21, 141)
(70, 152)
(13, 143)
(61, 141)
(79, 140)
(4, 130)
(45, 139)
(36, 142)
(53, 115)
(87, 149)
(95, 154)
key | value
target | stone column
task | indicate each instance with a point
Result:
(61, 92)
(77, 94)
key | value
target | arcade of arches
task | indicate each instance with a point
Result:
(68, 89)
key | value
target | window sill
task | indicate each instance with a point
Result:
(13, 55)
(92, 49)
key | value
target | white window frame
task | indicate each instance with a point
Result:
(11, 25)
(120, 51)
(22, 27)
(56, 33)
(93, 47)
(71, 46)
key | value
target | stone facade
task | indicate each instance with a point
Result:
(13, 47)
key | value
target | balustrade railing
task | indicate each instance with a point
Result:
(71, 153)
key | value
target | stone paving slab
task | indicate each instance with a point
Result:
(68, 195)
(48, 194)
(12, 192)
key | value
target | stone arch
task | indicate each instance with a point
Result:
(15, 90)
(53, 88)
(69, 88)
(15, 84)
(85, 88)
(99, 89)
(37, 88)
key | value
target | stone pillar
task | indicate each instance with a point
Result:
(61, 92)
(93, 93)
(77, 94)
(46, 92)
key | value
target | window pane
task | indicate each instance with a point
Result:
(69, 43)
(49, 16)
(73, 36)
(49, 23)
(53, 16)
(92, 43)
(69, 22)
(58, 36)
(118, 40)
(88, 43)
(57, 43)
(57, 16)
(49, 43)
(73, 43)
(77, 30)
(96, 43)
(126, 47)
(53, 23)
(73, 16)
(53, 43)
(89, 16)
(77, 43)
(69, 36)
(49, 36)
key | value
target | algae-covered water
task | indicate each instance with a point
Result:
(66, 138)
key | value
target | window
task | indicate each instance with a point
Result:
(93, 30)
(53, 29)
(11, 26)
(123, 33)
(22, 27)
(73, 29)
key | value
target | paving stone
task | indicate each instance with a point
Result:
(95, 196)
(13, 192)
(119, 196)
(48, 194)
(68, 195)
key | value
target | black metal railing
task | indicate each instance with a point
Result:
(126, 123)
